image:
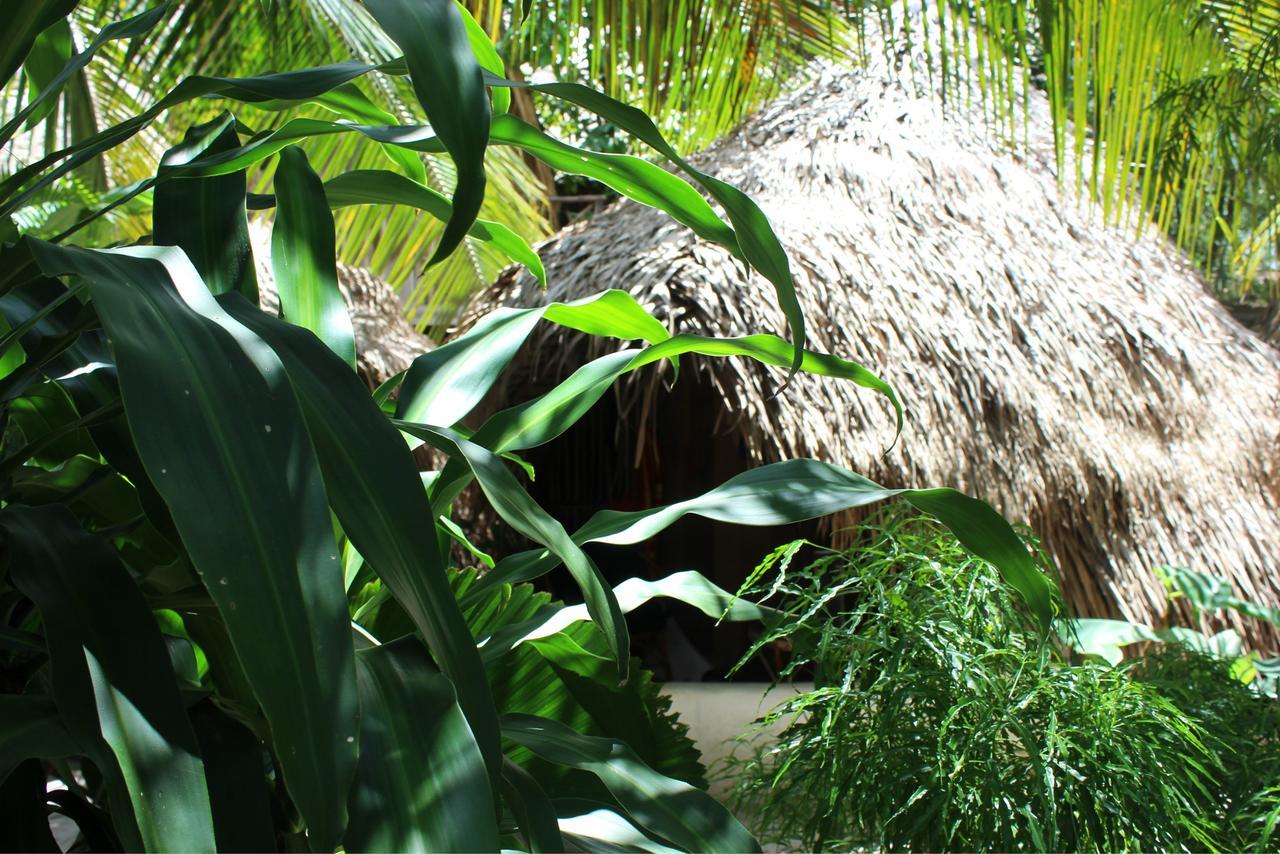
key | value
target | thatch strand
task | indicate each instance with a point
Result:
(1080, 381)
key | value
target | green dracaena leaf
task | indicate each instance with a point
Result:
(797, 490)
(671, 810)
(421, 783)
(205, 216)
(303, 256)
(379, 187)
(758, 244)
(102, 638)
(220, 435)
(518, 509)
(448, 83)
(442, 386)
(375, 491)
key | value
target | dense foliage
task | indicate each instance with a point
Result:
(942, 719)
(229, 618)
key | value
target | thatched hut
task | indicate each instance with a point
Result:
(1081, 381)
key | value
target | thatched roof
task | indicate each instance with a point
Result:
(1080, 381)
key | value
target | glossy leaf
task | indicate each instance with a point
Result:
(421, 783)
(486, 55)
(289, 85)
(444, 385)
(675, 811)
(234, 456)
(205, 216)
(379, 187)
(450, 88)
(128, 28)
(103, 638)
(302, 256)
(25, 20)
(592, 826)
(757, 243)
(635, 178)
(688, 586)
(513, 504)
(534, 811)
(30, 728)
(236, 774)
(373, 487)
(544, 418)
(796, 490)
(49, 53)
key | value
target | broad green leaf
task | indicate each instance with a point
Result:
(421, 783)
(303, 256)
(289, 85)
(49, 53)
(486, 55)
(263, 145)
(221, 437)
(445, 384)
(1212, 593)
(31, 729)
(373, 487)
(796, 490)
(983, 531)
(129, 28)
(1105, 638)
(205, 217)
(535, 814)
(513, 504)
(674, 811)
(101, 633)
(544, 418)
(575, 683)
(25, 20)
(688, 586)
(353, 105)
(635, 178)
(379, 187)
(449, 85)
(24, 808)
(592, 827)
(237, 780)
(755, 238)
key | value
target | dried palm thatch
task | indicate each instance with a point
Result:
(1080, 381)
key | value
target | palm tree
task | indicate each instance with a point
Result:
(742, 51)
(1164, 111)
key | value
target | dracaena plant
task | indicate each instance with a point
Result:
(230, 620)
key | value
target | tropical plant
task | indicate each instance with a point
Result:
(742, 52)
(1162, 112)
(942, 718)
(1204, 596)
(229, 615)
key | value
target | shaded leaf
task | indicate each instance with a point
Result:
(107, 653)
(302, 256)
(675, 811)
(219, 432)
(421, 783)
(450, 88)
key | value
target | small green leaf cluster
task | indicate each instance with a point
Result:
(229, 616)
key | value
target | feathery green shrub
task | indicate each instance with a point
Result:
(942, 718)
